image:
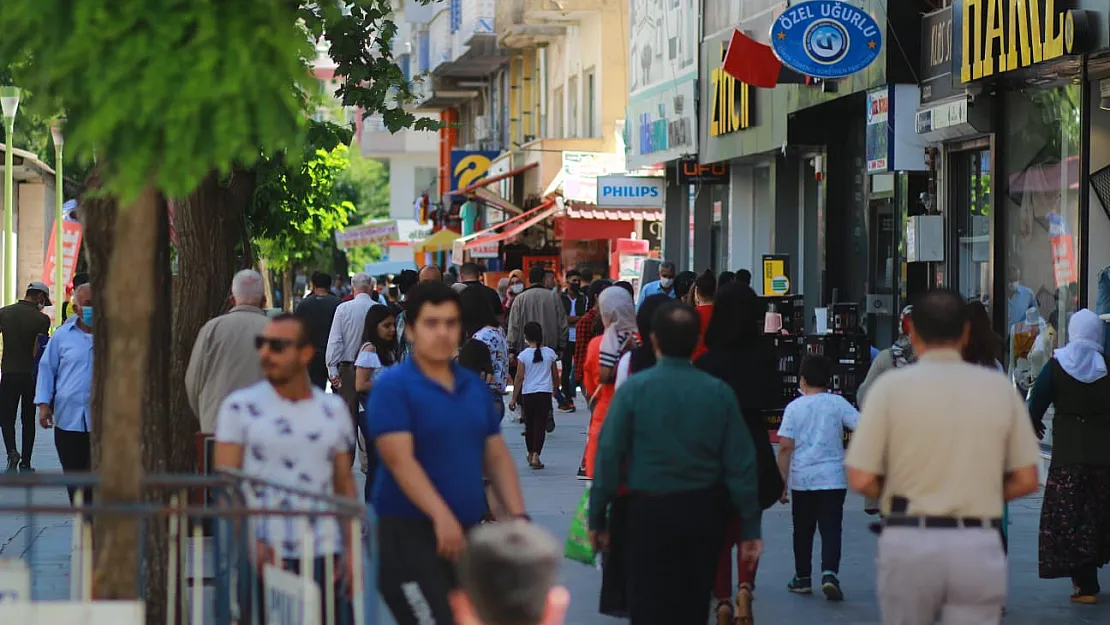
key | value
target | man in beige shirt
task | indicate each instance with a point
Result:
(224, 357)
(942, 443)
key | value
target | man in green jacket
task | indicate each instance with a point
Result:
(675, 437)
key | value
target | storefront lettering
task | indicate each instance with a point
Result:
(731, 104)
(661, 134)
(1004, 35)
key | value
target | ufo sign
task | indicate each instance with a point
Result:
(826, 38)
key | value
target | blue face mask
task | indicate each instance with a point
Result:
(87, 315)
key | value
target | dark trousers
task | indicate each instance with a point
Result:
(371, 456)
(815, 510)
(75, 456)
(535, 408)
(17, 395)
(568, 373)
(318, 369)
(673, 540)
(1085, 579)
(413, 580)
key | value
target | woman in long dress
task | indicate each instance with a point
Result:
(618, 314)
(1075, 515)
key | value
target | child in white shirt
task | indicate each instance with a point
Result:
(536, 374)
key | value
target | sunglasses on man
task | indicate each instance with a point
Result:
(276, 345)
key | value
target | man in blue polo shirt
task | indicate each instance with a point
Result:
(436, 432)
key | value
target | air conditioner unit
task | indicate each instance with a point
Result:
(482, 129)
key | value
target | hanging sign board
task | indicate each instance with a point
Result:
(826, 38)
(776, 274)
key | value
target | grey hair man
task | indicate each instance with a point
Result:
(345, 339)
(224, 357)
(508, 575)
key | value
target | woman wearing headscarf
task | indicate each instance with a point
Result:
(1075, 516)
(618, 315)
(739, 355)
(642, 357)
(516, 287)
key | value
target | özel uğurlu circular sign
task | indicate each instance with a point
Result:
(826, 38)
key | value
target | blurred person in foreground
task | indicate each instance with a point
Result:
(939, 553)
(681, 485)
(436, 432)
(508, 575)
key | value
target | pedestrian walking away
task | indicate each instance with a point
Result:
(537, 376)
(587, 329)
(618, 315)
(681, 485)
(811, 458)
(21, 324)
(292, 435)
(436, 432)
(378, 353)
(576, 304)
(345, 340)
(508, 575)
(1075, 517)
(939, 553)
(318, 312)
(64, 388)
(224, 357)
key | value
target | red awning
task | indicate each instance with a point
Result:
(615, 214)
(526, 220)
(496, 201)
(492, 179)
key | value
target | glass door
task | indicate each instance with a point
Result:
(969, 216)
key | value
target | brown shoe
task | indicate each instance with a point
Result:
(744, 606)
(724, 613)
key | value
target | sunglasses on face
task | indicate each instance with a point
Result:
(276, 345)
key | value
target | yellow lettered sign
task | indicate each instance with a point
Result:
(1003, 35)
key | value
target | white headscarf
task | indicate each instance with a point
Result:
(618, 314)
(1082, 357)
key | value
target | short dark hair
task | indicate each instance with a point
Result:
(406, 280)
(939, 316)
(743, 276)
(573, 273)
(597, 286)
(302, 325)
(434, 292)
(667, 264)
(79, 279)
(507, 571)
(536, 274)
(816, 371)
(676, 327)
(470, 270)
(706, 284)
(321, 280)
(725, 278)
(627, 286)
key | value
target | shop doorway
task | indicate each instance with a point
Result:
(969, 239)
(883, 261)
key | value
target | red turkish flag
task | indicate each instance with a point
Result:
(751, 62)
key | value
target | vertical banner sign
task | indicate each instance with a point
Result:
(776, 274)
(469, 166)
(936, 56)
(71, 247)
(1063, 251)
(878, 130)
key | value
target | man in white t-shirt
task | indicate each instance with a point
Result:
(290, 435)
(811, 458)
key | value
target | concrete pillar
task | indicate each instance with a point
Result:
(741, 223)
(676, 222)
(32, 235)
(703, 223)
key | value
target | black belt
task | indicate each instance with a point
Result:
(346, 363)
(941, 522)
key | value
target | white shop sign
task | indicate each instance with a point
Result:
(289, 599)
(85, 613)
(15, 582)
(630, 192)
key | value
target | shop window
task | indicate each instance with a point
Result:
(1040, 234)
(971, 173)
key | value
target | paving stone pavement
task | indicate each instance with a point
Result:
(551, 495)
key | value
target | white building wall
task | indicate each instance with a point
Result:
(405, 185)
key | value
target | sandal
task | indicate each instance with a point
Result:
(536, 464)
(724, 613)
(744, 606)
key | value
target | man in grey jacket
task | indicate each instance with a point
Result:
(224, 357)
(538, 304)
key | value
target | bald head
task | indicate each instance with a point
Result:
(429, 273)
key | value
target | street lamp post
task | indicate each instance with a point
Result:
(59, 193)
(9, 100)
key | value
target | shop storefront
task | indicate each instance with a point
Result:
(1027, 226)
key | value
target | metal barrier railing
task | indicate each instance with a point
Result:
(257, 552)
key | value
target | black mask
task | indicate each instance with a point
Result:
(575, 288)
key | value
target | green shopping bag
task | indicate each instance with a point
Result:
(578, 547)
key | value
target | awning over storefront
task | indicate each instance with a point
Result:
(615, 214)
(496, 201)
(522, 222)
(440, 241)
(492, 179)
(586, 223)
(386, 267)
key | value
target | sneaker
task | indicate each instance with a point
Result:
(566, 408)
(25, 468)
(830, 585)
(582, 473)
(800, 585)
(13, 462)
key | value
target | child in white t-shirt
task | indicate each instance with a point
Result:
(811, 458)
(536, 374)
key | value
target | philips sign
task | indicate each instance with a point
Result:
(630, 191)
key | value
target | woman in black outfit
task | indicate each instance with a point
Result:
(741, 356)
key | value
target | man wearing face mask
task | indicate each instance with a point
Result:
(21, 324)
(64, 386)
(663, 286)
(575, 302)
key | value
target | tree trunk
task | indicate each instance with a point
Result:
(287, 289)
(128, 310)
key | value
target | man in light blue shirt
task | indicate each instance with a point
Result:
(65, 385)
(1020, 298)
(663, 286)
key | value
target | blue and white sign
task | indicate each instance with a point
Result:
(826, 38)
(630, 192)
